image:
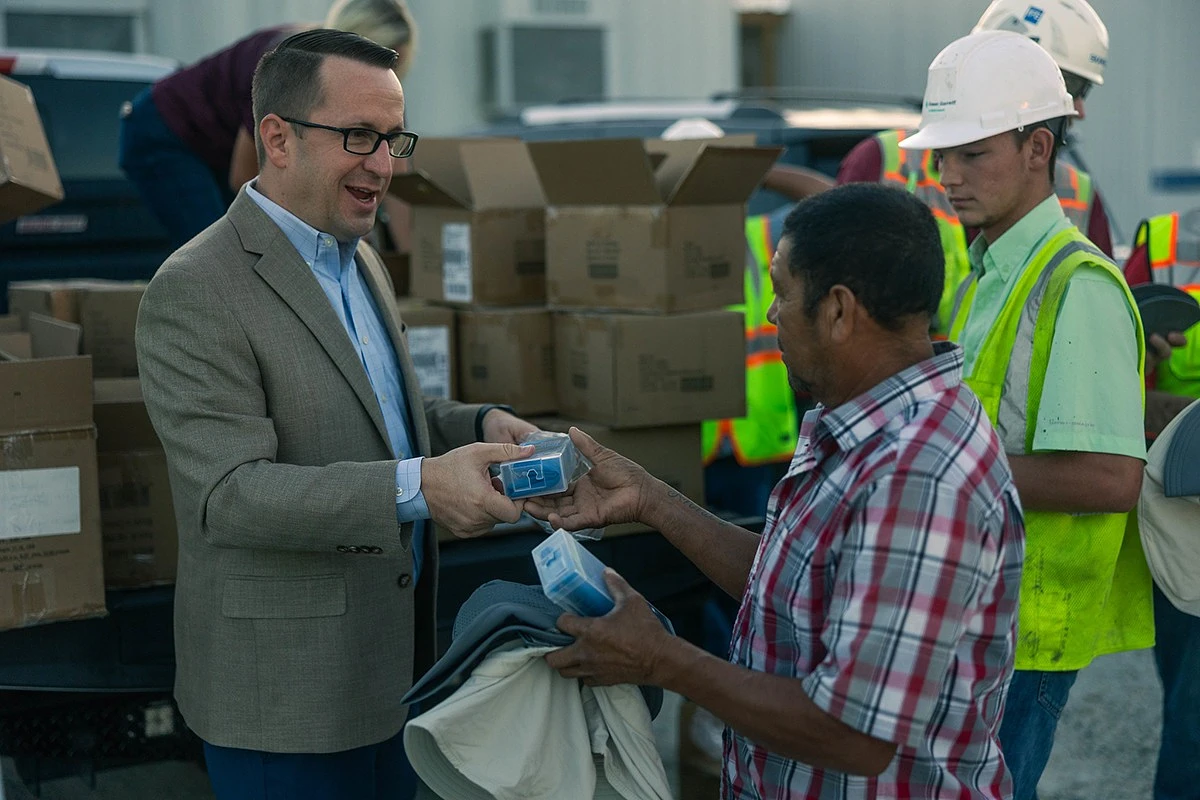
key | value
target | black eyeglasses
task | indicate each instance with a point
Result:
(1077, 85)
(364, 141)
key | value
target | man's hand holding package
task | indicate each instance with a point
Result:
(613, 491)
(501, 427)
(459, 490)
(623, 646)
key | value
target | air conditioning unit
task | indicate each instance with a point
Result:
(556, 50)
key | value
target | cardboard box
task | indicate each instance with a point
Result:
(51, 565)
(507, 356)
(10, 323)
(28, 178)
(622, 235)
(639, 371)
(672, 454)
(137, 514)
(107, 310)
(397, 265)
(432, 344)
(108, 314)
(478, 223)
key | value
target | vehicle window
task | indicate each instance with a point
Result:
(82, 120)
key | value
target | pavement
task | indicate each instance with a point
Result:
(1106, 747)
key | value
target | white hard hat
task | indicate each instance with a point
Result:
(693, 128)
(1070, 31)
(985, 84)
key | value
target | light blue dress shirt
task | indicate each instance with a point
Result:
(334, 266)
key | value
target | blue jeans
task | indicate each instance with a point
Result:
(1177, 655)
(1035, 702)
(177, 186)
(375, 772)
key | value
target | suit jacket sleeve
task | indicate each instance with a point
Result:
(204, 391)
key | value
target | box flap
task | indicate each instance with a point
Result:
(595, 172)
(16, 346)
(25, 156)
(501, 174)
(441, 160)
(418, 189)
(46, 394)
(673, 157)
(723, 175)
(53, 338)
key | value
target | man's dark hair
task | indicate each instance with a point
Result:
(1058, 129)
(879, 242)
(287, 81)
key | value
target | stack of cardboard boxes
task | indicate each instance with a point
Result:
(68, 372)
(588, 279)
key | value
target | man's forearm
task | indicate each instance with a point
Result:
(772, 710)
(1077, 483)
(723, 551)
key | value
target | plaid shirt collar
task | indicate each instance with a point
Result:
(853, 422)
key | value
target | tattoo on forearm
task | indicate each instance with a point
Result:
(673, 494)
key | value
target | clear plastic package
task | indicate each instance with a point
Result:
(552, 468)
(572, 577)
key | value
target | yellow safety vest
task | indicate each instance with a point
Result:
(1175, 262)
(768, 432)
(1085, 586)
(915, 172)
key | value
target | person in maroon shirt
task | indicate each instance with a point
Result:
(187, 142)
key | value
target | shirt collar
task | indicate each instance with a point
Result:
(1010, 253)
(307, 240)
(855, 421)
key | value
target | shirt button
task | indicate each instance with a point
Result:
(365, 340)
(308, 262)
(404, 580)
(383, 398)
(399, 492)
(327, 240)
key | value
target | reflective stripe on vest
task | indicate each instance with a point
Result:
(769, 431)
(1175, 261)
(1085, 587)
(916, 173)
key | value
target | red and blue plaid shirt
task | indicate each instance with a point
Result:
(886, 582)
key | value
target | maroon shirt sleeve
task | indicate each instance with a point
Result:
(1137, 268)
(1098, 230)
(863, 164)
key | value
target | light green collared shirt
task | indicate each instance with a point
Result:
(1092, 396)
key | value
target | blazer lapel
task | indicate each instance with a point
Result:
(285, 272)
(373, 270)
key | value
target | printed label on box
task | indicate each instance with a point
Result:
(456, 262)
(603, 257)
(429, 347)
(39, 502)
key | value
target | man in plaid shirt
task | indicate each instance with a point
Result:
(875, 639)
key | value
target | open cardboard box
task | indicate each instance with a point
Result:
(647, 226)
(478, 223)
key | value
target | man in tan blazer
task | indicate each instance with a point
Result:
(274, 368)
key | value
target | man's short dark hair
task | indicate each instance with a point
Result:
(287, 81)
(1057, 127)
(879, 242)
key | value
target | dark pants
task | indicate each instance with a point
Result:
(376, 772)
(1177, 655)
(1035, 702)
(177, 186)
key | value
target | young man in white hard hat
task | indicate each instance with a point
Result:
(1075, 37)
(1053, 347)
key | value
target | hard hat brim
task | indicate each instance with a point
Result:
(944, 135)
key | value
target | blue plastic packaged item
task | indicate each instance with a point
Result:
(572, 577)
(554, 465)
